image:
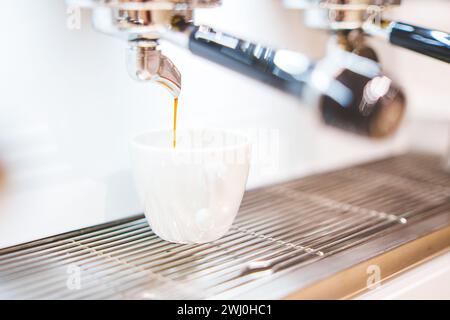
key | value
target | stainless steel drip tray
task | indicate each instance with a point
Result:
(309, 238)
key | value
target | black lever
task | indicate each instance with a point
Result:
(354, 93)
(248, 58)
(432, 43)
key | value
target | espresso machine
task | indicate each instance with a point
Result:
(349, 85)
(335, 234)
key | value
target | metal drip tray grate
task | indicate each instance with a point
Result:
(279, 229)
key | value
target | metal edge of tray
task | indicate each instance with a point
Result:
(341, 275)
(344, 275)
(64, 235)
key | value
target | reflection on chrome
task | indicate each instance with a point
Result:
(376, 88)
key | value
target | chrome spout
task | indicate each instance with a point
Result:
(141, 23)
(145, 62)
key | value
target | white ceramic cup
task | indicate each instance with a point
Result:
(191, 194)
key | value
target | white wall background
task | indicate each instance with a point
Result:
(68, 109)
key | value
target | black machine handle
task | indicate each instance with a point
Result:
(432, 43)
(245, 57)
(292, 72)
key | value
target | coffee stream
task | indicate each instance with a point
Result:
(175, 107)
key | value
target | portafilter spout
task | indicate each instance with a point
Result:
(141, 23)
(145, 62)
